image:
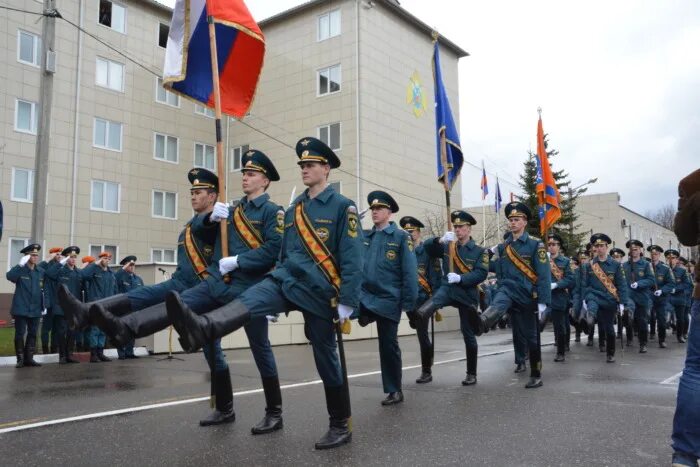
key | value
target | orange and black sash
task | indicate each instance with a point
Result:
(556, 271)
(245, 230)
(461, 266)
(315, 247)
(520, 264)
(423, 282)
(605, 280)
(195, 256)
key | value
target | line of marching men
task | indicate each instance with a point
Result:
(35, 301)
(313, 257)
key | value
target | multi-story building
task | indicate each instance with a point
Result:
(355, 73)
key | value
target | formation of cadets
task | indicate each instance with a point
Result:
(314, 257)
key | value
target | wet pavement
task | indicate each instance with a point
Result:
(145, 411)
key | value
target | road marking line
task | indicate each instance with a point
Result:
(141, 408)
(673, 379)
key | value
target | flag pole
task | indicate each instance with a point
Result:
(483, 203)
(541, 200)
(498, 225)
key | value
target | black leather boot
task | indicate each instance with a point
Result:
(426, 360)
(29, 348)
(561, 348)
(427, 309)
(223, 400)
(93, 355)
(340, 429)
(472, 355)
(123, 329)
(272, 421)
(75, 311)
(45, 347)
(488, 318)
(196, 330)
(610, 350)
(101, 355)
(19, 352)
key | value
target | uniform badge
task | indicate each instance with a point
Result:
(323, 234)
(410, 244)
(305, 142)
(207, 250)
(391, 255)
(641, 273)
(421, 269)
(542, 255)
(280, 222)
(352, 221)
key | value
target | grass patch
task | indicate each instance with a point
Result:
(7, 342)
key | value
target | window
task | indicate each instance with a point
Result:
(204, 156)
(330, 134)
(164, 96)
(104, 196)
(22, 185)
(236, 155)
(14, 255)
(25, 116)
(107, 135)
(112, 15)
(329, 25)
(95, 251)
(328, 80)
(202, 110)
(336, 186)
(109, 74)
(163, 31)
(166, 148)
(164, 204)
(163, 255)
(28, 48)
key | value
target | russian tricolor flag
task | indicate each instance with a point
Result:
(240, 47)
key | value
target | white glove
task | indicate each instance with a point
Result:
(228, 264)
(453, 278)
(448, 237)
(24, 260)
(673, 291)
(620, 308)
(63, 261)
(634, 285)
(541, 307)
(494, 249)
(554, 285)
(549, 255)
(44, 312)
(271, 318)
(220, 212)
(658, 293)
(344, 312)
(585, 307)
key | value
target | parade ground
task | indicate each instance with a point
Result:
(146, 411)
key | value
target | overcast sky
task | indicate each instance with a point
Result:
(618, 82)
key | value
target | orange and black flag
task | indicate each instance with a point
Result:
(547, 191)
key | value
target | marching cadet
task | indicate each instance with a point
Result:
(604, 290)
(429, 274)
(48, 328)
(460, 288)
(82, 336)
(562, 281)
(254, 237)
(195, 248)
(319, 272)
(99, 282)
(127, 280)
(390, 287)
(626, 320)
(678, 295)
(688, 294)
(642, 283)
(65, 273)
(524, 278)
(27, 303)
(577, 299)
(665, 283)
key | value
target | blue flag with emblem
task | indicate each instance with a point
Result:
(445, 126)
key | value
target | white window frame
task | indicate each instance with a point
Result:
(153, 204)
(159, 86)
(9, 249)
(162, 255)
(340, 135)
(232, 163)
(318, 80)
(37, 48)
(108, 86)
(165, 147)
(158, 34)
(108, 123)
(328, 15)
(205, 111)
(33, 117)
(194, 155)
(104, 197)
(126, 16)
(30, 188)
(115, 257)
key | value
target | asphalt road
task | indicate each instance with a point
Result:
(145, 411)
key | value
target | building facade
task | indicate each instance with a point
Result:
(355, 73)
